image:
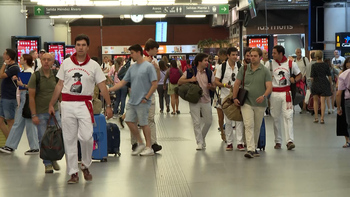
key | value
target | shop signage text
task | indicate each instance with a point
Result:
(276, 27)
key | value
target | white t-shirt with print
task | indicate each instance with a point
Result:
(227, 77)
(80, 80)
(281, 73)
(340, 60)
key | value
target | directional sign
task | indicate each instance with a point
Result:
(39, 10)
(223, 9)
(133, 10)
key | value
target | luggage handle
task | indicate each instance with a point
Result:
(54, 119)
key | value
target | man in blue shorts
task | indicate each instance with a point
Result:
(144, 82)
(8, 102)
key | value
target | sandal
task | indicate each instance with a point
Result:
(346, 145)
(173, 113)
(322, 121)
(316, 120)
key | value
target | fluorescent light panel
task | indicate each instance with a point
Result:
(214, 2)
(77, 16)
(155, 15)
(195, 16)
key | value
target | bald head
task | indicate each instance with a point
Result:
(265, 55)
(47, 61)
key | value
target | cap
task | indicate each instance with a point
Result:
(42, 50)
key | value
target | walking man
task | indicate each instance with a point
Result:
(205, 79)
(82, 73)
(281, 97)
(225, 78)
(260, 86)
(144, 82)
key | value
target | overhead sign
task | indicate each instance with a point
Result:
(133, 10)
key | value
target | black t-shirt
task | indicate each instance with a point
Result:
(8, 89)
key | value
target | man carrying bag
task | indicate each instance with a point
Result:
(203, 107)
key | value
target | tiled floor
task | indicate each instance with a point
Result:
(319, 166)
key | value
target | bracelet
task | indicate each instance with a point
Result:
(234, 99)
(145, 98)
(33, 115)
(109, 105)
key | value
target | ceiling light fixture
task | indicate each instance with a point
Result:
(195, 16)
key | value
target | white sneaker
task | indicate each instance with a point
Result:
(138, 149)
(147, 152)
(199, 147)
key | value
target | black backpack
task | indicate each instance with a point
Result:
(123, 70)
(37, 77)
(223, 69)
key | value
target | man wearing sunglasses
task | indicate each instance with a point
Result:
(225, 77)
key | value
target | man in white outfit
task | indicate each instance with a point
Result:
(77, 78)
(338, 60)
(281, 97)
(228, 77)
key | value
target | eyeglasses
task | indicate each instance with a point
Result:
(233, 77)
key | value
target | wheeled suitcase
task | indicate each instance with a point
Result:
(100, 138)
(113, 139)
(262, 136)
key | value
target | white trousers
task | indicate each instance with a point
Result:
(280, 113)
(201, 125)
(229, 131)
(76, 125)
(151, 123)
(252, 118)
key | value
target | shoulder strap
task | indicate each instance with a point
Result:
(304, 61)
(290, 67)
(209, 74)
(55, 73)
(37, 80)
(239, 65)
(223, 69)
(270, 62)
(245, 69)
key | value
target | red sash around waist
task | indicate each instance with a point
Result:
(288, 96)
(281, 89)
(86, 99)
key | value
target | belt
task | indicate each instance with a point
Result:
(288, 96)
(86, 99)
(281, 89)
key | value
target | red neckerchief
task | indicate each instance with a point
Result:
(284, 59)
(145, 53)
(75, 61)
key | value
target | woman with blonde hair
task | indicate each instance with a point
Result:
(321, 84)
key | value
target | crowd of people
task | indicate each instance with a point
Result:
(65, 91)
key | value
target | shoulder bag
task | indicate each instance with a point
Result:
(232, 111)
(52, 146)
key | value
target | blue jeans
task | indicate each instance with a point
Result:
(44, 118)
(18, 128)
(121, 97)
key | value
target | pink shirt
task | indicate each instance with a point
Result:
(111, 73)
(344, 83)
(202, 79)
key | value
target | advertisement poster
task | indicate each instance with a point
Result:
(70, 50)
(58, 51)
(25, 46)
(261, 43)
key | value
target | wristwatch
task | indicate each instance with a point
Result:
(264, 96)
(33, 115)
(109, 105)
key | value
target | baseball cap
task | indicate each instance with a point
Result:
(42, 50)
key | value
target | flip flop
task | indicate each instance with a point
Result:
(316, 120)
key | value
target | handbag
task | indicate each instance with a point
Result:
(52, 146)
(231, 111)
(242, 93)
(297, 92)
(26, 110)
